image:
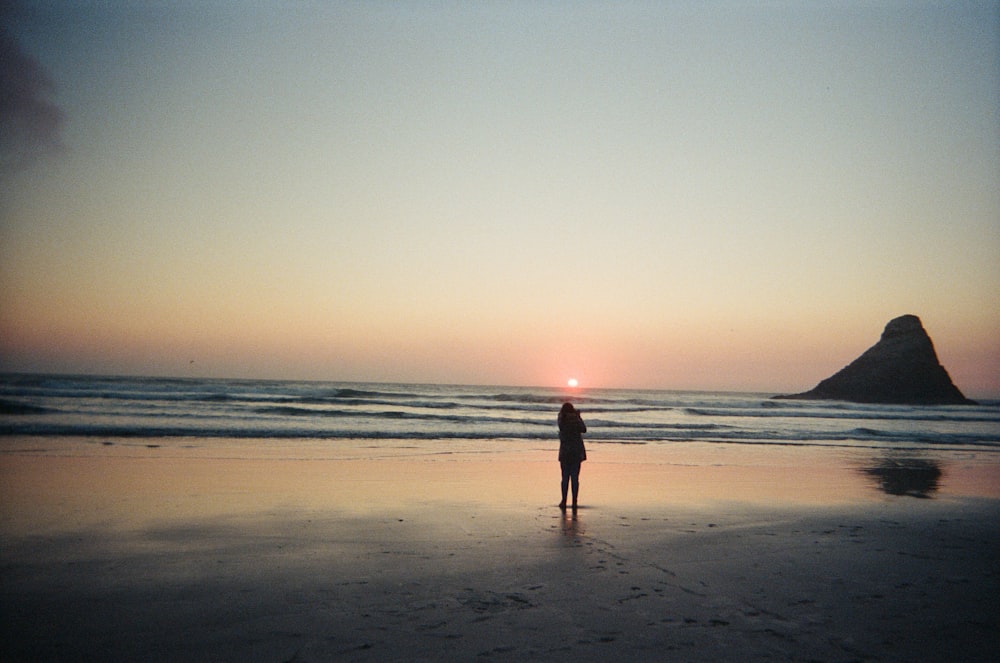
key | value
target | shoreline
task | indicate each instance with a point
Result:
(789, 556)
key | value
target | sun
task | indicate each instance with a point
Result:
(572, 382)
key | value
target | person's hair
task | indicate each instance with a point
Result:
(567, 407)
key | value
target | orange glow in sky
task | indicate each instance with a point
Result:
(666, 195)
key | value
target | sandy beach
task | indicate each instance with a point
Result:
(692, 554)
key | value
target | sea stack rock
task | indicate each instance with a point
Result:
(902, 368)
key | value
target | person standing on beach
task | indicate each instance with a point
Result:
(571, 450)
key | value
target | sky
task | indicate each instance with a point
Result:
(676, 195)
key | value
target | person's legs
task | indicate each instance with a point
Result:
(575, 476)
(565, 467)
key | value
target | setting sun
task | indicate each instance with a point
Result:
(572, 382)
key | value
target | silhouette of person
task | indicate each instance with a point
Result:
(571, 450)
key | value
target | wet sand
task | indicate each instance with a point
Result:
(706, 554)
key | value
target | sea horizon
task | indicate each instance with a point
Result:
(580, 388)
(79, 410)
(166, 519)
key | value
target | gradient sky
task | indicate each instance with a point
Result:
(682, 195)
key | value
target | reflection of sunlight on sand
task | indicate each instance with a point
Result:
(41, 493)
(717, 547)
(698, 476)
(971, 479)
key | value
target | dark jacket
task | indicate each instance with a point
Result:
(571, 430)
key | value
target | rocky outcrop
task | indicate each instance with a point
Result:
(901, 368)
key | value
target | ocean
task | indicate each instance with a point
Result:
(65, 413)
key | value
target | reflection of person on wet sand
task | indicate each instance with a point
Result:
(571, 450)
(572, 528)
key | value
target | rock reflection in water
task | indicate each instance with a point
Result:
(916, 477)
